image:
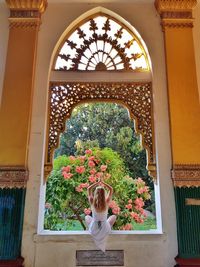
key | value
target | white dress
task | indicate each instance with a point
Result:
(100, 228)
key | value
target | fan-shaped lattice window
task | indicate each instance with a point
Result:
(101, 43)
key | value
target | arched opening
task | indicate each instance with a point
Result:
(81, 73)
(100, 139)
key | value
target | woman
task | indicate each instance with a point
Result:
(98, 225)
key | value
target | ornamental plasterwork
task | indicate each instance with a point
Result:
(26, 14)
(13, 177)
(186, 175)
(64, 96)
(175, 5)
(100, 43)
(39, 5)
(176, 13)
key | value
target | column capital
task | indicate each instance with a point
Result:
(26, 13)
(176, 13)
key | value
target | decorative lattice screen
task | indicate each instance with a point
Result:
(64, 96)
(101, 43)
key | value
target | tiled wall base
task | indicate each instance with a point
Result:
(187, 262)
(12, 263)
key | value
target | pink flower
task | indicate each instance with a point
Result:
(67, 175)
(99, 174)
(136, 217)
(87, 211)
(140, 191)
(91, 164)
(82, 158)
(142, 212)
(91, 158)
(88, 151)
(79, 189)
(127, 227)
(92, 178)
(140, 182)
(93, 171)
(66, 169)
(139, 202)
(84, 185)
(80, 169)
(112, 204)
(103, 168)
(72, 158)
(130, 201)
(129, 206)
(116, 210)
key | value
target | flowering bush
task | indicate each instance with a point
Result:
(66, 193)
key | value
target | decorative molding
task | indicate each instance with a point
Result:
(186, 175)
(175, 5)
(34, 5)
(26, 14)
(24, 23)
(13, 177)
(176, 13)
(137, 97)
(176, 24)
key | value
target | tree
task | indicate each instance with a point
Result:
(105, 125)
(66, 193)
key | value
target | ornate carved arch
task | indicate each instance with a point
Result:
(137, 97)
(101, 43)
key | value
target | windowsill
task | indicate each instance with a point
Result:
(84, 236)
(114, 232)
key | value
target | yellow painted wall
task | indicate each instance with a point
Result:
(196, 34)
(4, 31)
(16, 96)
(183, 95)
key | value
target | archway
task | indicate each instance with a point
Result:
(92, 47)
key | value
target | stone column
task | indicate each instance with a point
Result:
(15, 116)
(184, 112)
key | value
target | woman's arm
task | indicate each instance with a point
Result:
(110, 189)
(89, 191)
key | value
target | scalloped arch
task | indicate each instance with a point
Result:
(101, 40)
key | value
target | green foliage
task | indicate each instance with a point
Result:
(105, 125)
(66, 192)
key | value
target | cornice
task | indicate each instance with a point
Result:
(26, 14)
(13, 177)
(175, 5)
(175, 13)
(186, 175)
(37, 5)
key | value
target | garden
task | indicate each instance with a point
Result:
(99, 141)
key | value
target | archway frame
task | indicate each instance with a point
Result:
(97, 78)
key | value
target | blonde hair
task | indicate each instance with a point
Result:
(99, 201)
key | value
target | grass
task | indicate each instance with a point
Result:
(148, 224)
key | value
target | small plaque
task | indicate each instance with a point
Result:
(99, 258)
(192, 201)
